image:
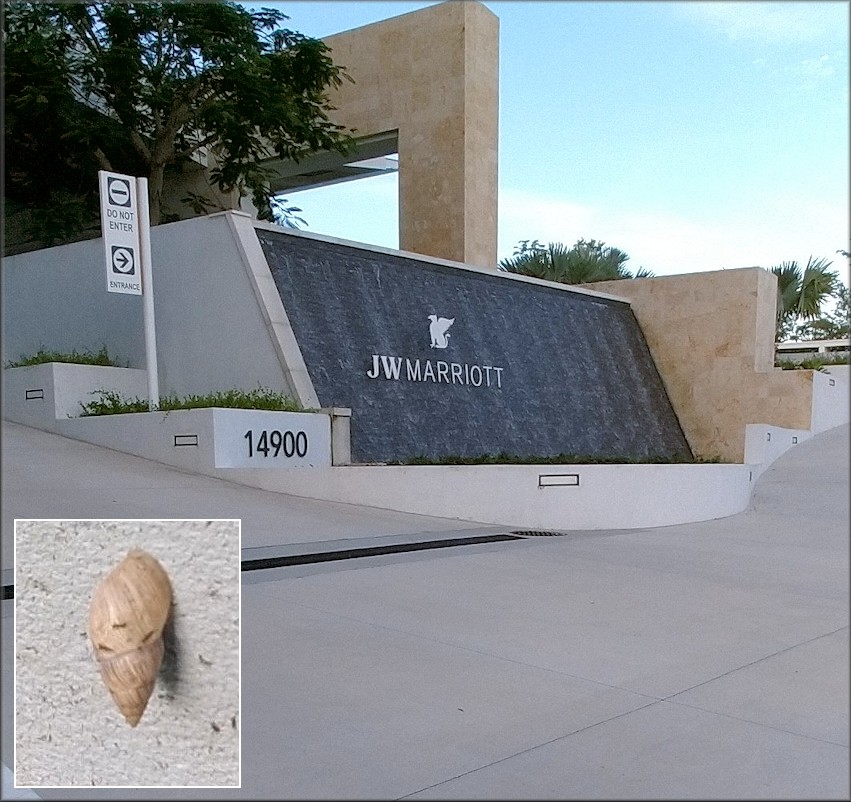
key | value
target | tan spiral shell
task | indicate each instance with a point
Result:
(129, 610)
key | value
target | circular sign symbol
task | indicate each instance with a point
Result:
(119, 191)
(123, 260)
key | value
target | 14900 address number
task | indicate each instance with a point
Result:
(276, 443)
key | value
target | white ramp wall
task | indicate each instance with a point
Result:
(212, 334)
(830, 398)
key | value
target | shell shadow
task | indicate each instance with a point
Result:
(171, 668)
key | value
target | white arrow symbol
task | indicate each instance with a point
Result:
(122, 260)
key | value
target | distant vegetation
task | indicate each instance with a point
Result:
(803, 294)
(812, 363)
(585, 262)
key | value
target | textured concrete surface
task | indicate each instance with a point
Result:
(694, 661)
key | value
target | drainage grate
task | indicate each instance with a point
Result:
(372, 551)
(537, 533)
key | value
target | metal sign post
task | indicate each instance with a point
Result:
(126, 227)
(148, 292)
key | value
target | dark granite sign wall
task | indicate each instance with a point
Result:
(436, 360)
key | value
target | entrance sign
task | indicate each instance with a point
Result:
(119, 216)
(440, 361)
(126, 228)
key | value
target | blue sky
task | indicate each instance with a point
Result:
(694, 136)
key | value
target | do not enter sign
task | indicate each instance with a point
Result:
(120, 227)
(126, 229)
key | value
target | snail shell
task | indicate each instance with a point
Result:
(129, 610)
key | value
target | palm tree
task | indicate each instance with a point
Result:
(801, 294)
(585, 262)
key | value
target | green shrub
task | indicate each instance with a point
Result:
(112, 403)
(75, 357)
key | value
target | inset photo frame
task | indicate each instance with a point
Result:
(127, 653)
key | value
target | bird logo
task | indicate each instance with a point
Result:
(439, 330)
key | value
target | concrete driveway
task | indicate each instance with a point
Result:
(700, 661)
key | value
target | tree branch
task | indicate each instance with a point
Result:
(103, 161)
(196, 146)
(140, 145)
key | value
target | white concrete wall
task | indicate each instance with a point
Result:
(67, 728)
(204, 440)
(830, 397)
(212, 334)
(39, 395)
(764, 443)
(607, 496)
(50, 397)
(56, 299)
(212, 442)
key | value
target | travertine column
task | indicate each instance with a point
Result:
(433, 76)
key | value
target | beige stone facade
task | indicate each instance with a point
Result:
(712, 338)
(433, 76)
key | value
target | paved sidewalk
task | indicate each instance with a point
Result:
(700, 661)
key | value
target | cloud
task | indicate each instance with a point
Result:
(806, 74)
(769, 22)
(813, 67)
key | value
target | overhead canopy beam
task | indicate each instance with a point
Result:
(367, 158)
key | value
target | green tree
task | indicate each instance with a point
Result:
(585, 262)
(143, 88)
(833, 325)
(802, 293)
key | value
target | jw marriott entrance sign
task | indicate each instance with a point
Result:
(437, 360)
